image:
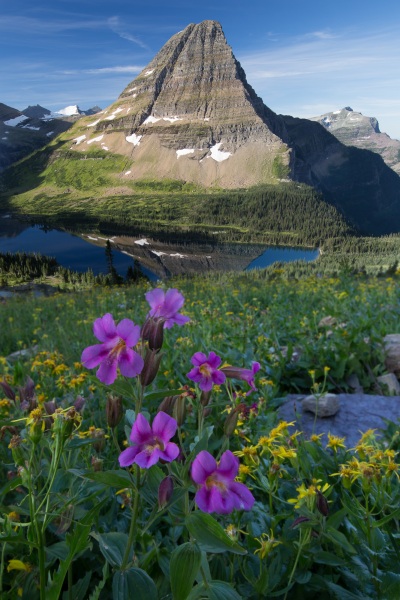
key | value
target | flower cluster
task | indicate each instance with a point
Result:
(135, 351)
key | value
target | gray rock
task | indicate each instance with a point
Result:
(358, 412)
(392, 350)
(326, 406)
(390, 384)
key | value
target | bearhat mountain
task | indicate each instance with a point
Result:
(190, 115)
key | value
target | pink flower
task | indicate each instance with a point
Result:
(219, 492)
(150, 444)
(115, 349)
(246, 375)
(205, 371)
(165, 306)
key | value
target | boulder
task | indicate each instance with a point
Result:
(325, 406)
(392, 350)
(389, 383)
(358, 413)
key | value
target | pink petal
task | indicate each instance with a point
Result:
(195, 375)
(104, 328)
(129, 332)
(198, 359)
(155, 298)
(164, 427)
(202, 499)
(206, 384)
(130, 363)
(127, 457)
(141, 430)
(214, 360)
(170, 453)
(228, 465)
(145, 460)
(173, 302)
(92, 356)
(221, 503)
(107, 372)
(177, 319)
(203, 466)
(242, 497)
(218, 377)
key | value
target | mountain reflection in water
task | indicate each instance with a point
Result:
(83, 251)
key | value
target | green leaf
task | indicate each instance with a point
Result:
(133, 584)
(77, 541)
(215, 590)
(343, 594)
(327, 558)
(184, 565)
(95, 595)
(119, 478)
(58, 550)
(219, 590)
(112, 546)
(335, 520)
(339, 539)
(79, 589)
(210, 535)
(161, 394)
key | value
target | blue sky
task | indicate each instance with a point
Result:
(303, 57)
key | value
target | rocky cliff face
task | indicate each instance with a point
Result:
(354, 129)
(191, 114)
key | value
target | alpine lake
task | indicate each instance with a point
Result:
(157, 259)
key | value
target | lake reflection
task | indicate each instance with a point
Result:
(157, 259)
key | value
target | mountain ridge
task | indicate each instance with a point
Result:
(191, 116)
(354, 129)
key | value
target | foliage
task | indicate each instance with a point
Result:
(74, 521)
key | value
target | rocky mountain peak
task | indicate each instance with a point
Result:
(190, 103)
(355, 129)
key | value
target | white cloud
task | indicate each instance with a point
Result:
(118, 28)
(322, 72)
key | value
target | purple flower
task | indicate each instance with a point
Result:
(115, 349)
(166, 307)
(205, 371)
(150, 444)
(246, 375)
(219, 492)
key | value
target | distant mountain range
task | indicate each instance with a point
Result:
(354, 129)
(23, 132)
(191, 116)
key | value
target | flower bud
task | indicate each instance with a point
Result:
(114, 410)
(231, 422)
(167, 405)
(8, 391)
(205, 398)
(97, 463)
(165, 491)
(322, 504)
(79, 403)
(151, 365)
(16, 450)
(65, 519)
(153, 333)
(50, 407)
(179, 410)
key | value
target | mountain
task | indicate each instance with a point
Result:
(23, 132)
(191, 116)
(354, 129)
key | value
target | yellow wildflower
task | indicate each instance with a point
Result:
(267, 544)
(335, 442)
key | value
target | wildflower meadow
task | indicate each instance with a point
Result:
(142, 456)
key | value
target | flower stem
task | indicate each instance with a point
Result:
(132, 529)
